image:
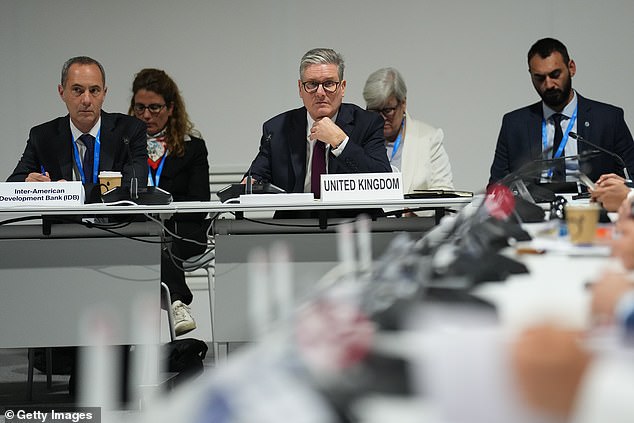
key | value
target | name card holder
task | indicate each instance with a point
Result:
(68, 193)
(361, 187)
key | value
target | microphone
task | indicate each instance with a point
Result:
(535, 167)
(146, 195)
(471, 248)
(248, 189)
(616, 157)
(584, 155)
(134, 182)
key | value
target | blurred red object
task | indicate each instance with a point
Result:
(499, 201)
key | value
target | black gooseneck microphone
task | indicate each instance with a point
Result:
(134, 182)
(248, 189)
(145, 196)
(612, 154)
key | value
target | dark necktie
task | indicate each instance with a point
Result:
(318, 167)
(559, 169)
(89, 154)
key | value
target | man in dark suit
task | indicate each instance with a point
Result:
(87, 140)
(543, 127)
(342, 137)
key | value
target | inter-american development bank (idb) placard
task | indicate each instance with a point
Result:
(361, 186)
(67, 193)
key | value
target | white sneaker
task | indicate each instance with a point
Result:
(183, 320)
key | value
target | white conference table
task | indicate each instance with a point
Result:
(554, 290)
(53, 286)
(52, 276)
(218, 207)
(556, 287)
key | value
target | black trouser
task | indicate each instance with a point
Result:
(171, 266)
(174, 277)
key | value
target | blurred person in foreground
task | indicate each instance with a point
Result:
(558, 371)
(413, 147)
(324, 136)
(177, 162)
(566, 375)
(613, 293)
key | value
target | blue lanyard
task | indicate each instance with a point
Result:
(564, 141)
(95, 163)
(397, 142)
(154, 180)
(562, 146)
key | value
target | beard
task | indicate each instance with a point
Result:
(556, 98)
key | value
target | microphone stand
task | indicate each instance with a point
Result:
(619, 159)
(134, 182)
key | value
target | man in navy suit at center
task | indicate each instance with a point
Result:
(528, 132)
(343, 137)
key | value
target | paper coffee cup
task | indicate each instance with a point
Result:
(582, 221)
(109, 180)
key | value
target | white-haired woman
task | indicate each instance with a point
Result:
(413, 147)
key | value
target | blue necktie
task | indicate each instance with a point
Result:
(559, 169)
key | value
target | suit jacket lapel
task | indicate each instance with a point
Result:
(536, 115)
(107, 142)
(584, 118)
(345, 119)
(62, 148)
(297, 145)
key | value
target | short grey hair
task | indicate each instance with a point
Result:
(381, 85)
(81, 60)
(321, 56)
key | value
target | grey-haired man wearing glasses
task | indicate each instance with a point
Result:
(324, 136)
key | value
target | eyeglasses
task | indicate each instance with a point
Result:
(312, 86)
(154, 108)
(387, 112)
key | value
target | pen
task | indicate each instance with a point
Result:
(43, 170)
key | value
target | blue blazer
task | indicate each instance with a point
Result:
(282, 156)
(520, 139)
(50, 146)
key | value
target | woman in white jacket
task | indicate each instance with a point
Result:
(413, 147)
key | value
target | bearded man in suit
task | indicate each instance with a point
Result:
(543, 128)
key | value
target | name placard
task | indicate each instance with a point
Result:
(361, 186)
(67, 193)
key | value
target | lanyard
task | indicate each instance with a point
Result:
(562, 146)
(95, 163)
(154, 180)
(397, 142)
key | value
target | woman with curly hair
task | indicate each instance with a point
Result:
(177, 163)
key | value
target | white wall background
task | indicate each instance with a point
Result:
(236, 61)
